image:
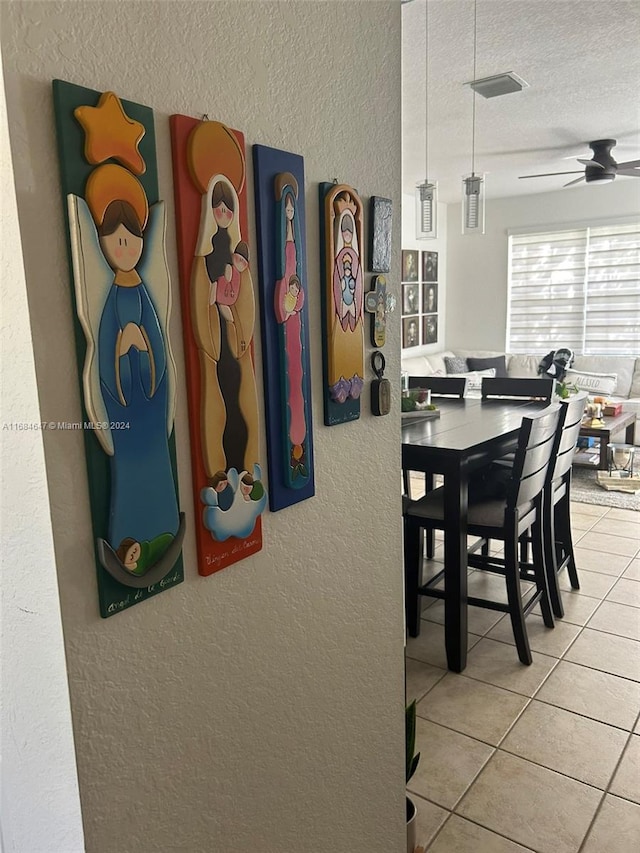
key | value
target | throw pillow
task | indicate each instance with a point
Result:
(455, 364)
(593, 383)
(498, 362)
(474, 379)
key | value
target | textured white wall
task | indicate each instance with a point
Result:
(260, 708)
(40, 802)
(478, 265)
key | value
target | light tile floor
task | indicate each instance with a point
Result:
(543, 758)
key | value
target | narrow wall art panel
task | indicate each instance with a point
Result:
(280, 214)
(381, 213)
(116, 231)
(375, 303)
(218, 315)
(341, 253)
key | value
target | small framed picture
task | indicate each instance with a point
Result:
(410, 265)
(410, 298)
(429, 298)
(410, 332)
(380, 247)
(429, 266)
(430, 329)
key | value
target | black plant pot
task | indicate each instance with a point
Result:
(412, 814)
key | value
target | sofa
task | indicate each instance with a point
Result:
(620, 373)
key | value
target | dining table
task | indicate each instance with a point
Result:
(468, 435)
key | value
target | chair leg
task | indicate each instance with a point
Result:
(563, 535)
(547, 531)
(512, 576)
(430, 534)
(412, 566)
(430, 547)
(539, 569)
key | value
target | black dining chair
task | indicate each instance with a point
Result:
(506, 518)
(517, 389)
(440, 386)
(556, 526)
(557, 539)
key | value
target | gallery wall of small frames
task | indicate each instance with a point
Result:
(121, 293)
(419, 298)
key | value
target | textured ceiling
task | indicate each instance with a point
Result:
(581, 60)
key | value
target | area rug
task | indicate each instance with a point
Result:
(585, 490)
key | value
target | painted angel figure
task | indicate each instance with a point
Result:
(289, 298)
(237, 514)
(123, 298)
(347, 331)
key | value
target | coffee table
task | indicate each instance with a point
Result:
(607, 433)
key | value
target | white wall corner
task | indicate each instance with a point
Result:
(40, 800)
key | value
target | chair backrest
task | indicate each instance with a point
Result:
(569, 425)
(440, 386)
(536, 443)
(519, 389)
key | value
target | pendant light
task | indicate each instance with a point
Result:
(473, 189)
(427, 190)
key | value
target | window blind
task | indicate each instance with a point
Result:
(578, 288)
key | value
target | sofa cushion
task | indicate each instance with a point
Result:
(627, 368)
(456, 364)
(478, 353)
(436, 360)
(593, 383)
(498, 363)
(524, 366)
(634, 391)
(633, 406)
(416, 365)
(474, 379)
(622, 365)
(426, 365)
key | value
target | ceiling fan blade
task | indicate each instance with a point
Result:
(551, 174)
(629, 164)
(571, 183)
(630, 173)
(590, 163)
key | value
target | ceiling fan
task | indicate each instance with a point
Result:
(601, 168)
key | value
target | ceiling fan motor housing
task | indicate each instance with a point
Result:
(601, 154)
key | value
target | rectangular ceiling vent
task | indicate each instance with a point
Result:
(498, 84)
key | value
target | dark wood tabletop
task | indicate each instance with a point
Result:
(469, 434)
(466, 424)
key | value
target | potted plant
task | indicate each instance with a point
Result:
(564, 389)
(411, 764)
(418, 400)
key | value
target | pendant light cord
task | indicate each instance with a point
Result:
(426, 89)
(473, 114)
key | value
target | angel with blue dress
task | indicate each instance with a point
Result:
(123, 299)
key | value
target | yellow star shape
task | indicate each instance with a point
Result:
(110, 133)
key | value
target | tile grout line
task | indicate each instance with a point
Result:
(486, 828)
(584, 716)
(529, 699)
(498, 747)
(607, 789)
(612, 633)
